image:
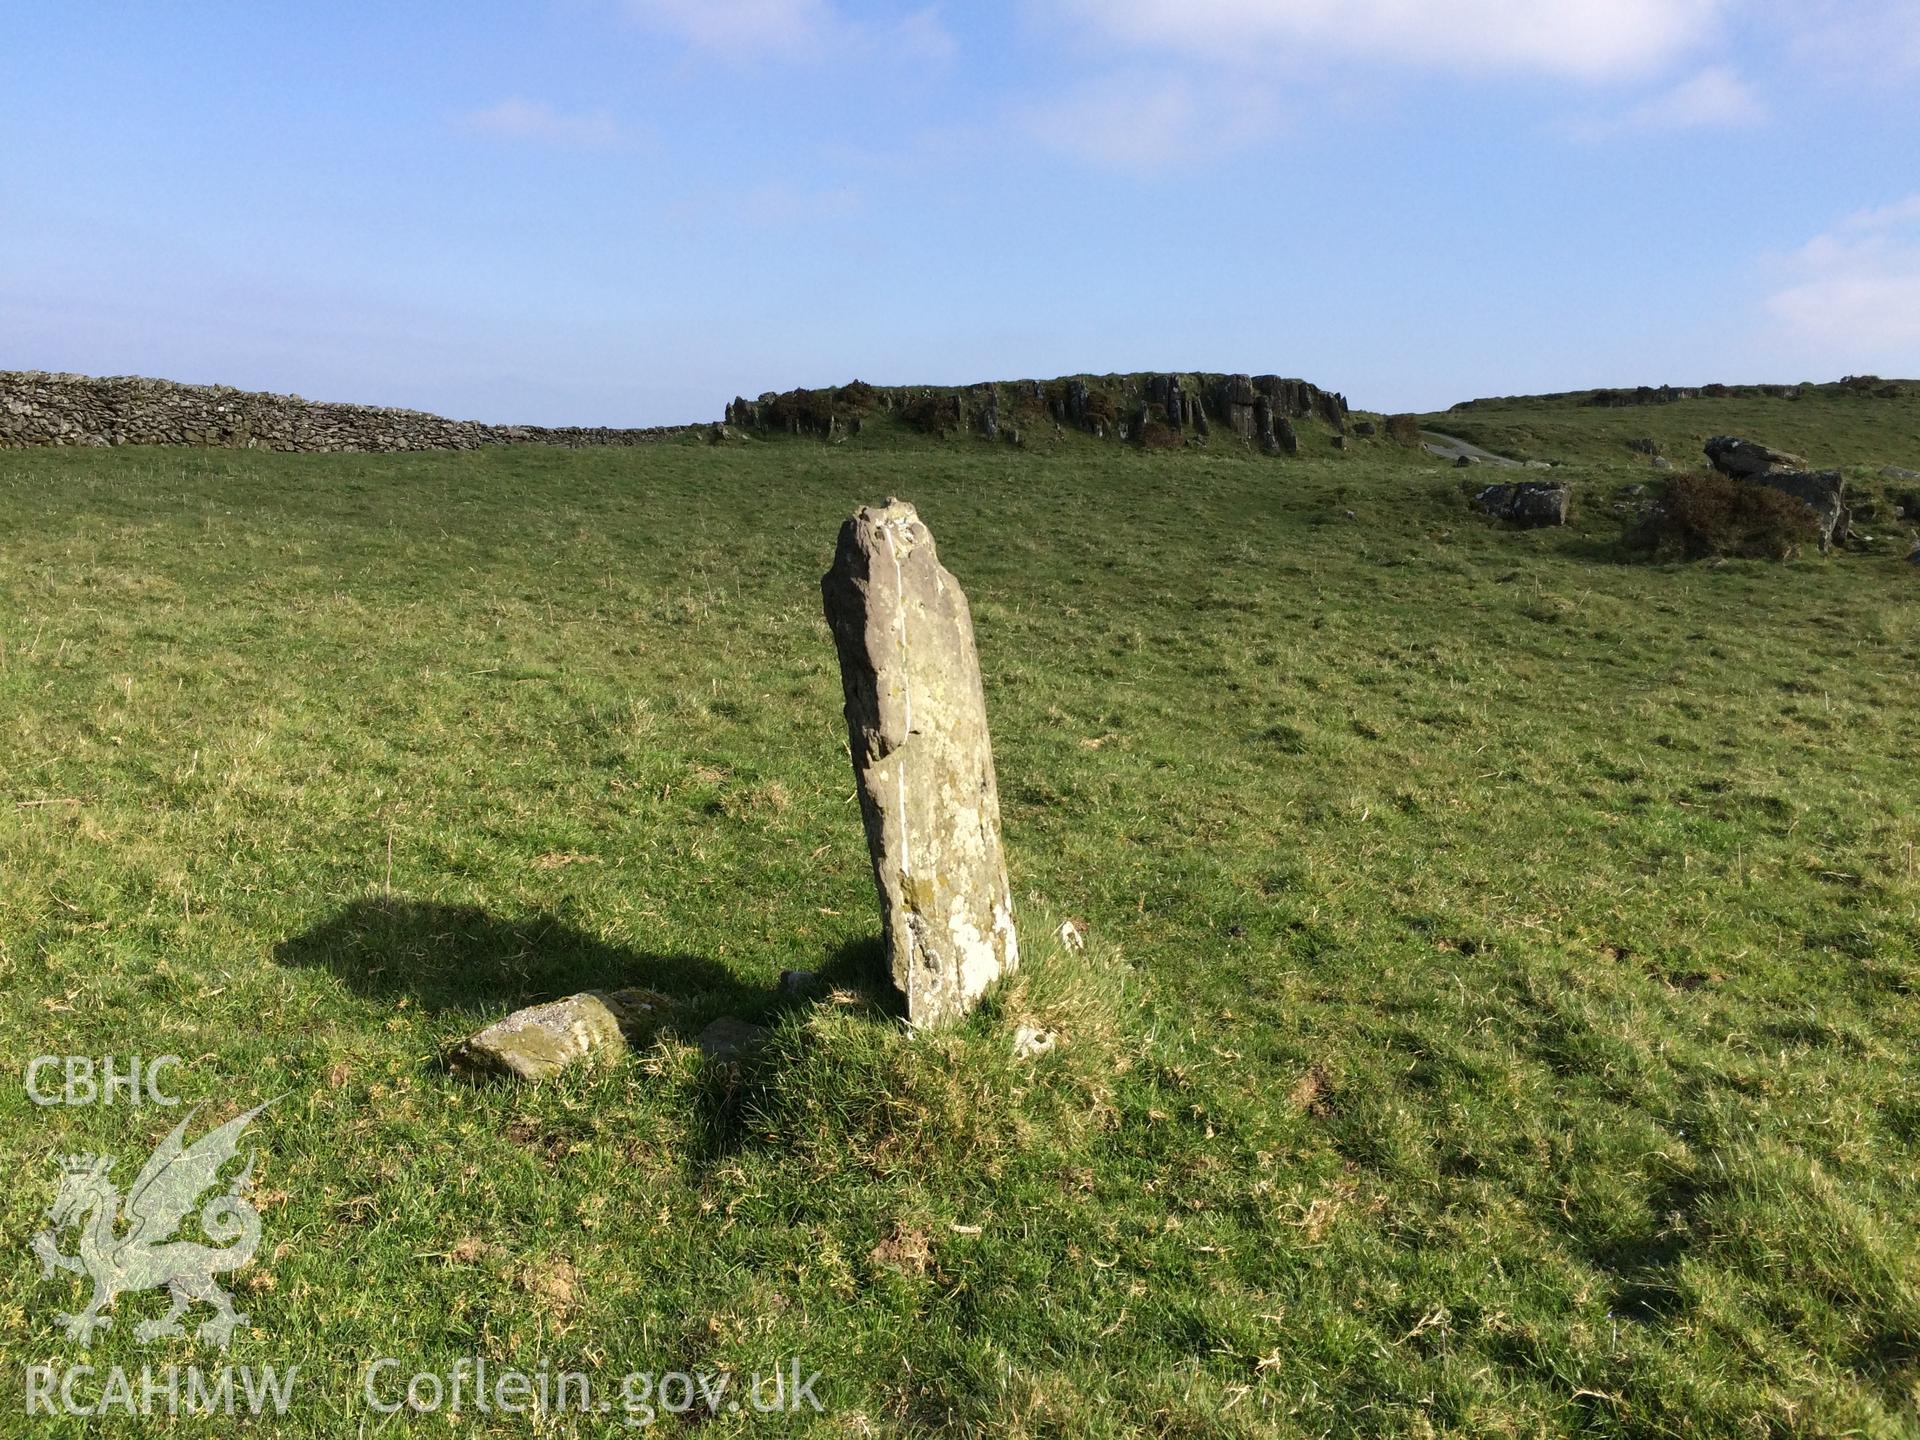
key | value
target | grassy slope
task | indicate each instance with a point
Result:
(1499, 1014)
(1829, 426)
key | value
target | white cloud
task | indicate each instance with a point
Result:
(794, 29)
(1853, 40)
(923, 35)
(742, 26)
(782, 206)
(776, 205)
(537, 122)
(1715, 99)
(1583, 39)
(1136, 122)
(1854, 292)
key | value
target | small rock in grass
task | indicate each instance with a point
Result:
(1898, 472)
(543, 1040)
(1030, 1042)
(795, 983)
(730, 1037)
(1530, 504)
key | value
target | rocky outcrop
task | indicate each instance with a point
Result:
(917, 723)
(1822, 491)
(1530, 504)
(47, 409)
(1147, 409)
(1748, 459)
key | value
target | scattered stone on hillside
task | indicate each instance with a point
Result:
(1465, 462)
(1914, 558)
(1365, 429)
(1341, 442)
(1531, 504)
(543, 1040)
(1660, 462)
(729, 1038)
(1748, 459)
(917, 722)
(1538, 465)
(1822, 491)
(1643, 446)
(1896, 472)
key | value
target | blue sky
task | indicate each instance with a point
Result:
(626, 211)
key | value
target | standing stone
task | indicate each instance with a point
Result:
(917, 719)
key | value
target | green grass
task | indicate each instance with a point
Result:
(1833, 427)
(1498, 1015)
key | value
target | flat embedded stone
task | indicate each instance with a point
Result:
(543, 1040)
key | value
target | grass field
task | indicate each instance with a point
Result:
(1498, 1015)
(1830, 426)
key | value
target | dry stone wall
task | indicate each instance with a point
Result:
(37, 408)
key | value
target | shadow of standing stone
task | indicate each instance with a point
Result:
(917, 722)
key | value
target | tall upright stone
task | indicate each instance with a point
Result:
(917, 719)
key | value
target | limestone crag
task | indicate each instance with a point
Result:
(37, 408)
(1143, 408)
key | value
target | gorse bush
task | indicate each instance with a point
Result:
(1708, 514)
(1404, 430)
